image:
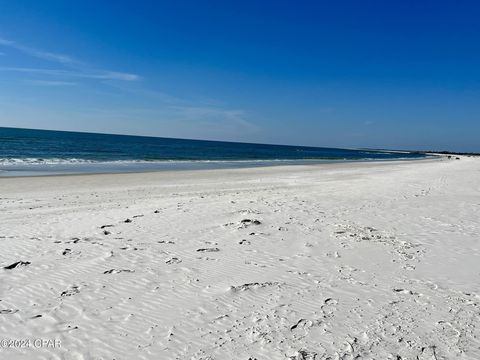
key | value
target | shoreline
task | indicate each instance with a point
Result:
(208, 165)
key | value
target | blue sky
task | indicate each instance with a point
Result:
(389, 74)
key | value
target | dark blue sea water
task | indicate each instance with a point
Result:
(27, 152)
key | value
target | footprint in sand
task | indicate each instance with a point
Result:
(173, 260)
(16, 264)
(8, 311)
(247, 222)
(117, 271)
(70, 292)
(208, 250)
(166, 242)
(252, 286)
(304, 355)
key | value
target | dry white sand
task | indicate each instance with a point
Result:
(346, 261)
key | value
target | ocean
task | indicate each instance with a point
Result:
(41, 152)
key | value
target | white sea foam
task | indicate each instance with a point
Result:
(42, 161)
(74, 161)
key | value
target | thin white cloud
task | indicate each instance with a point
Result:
(41, 54)
(60, 58)
(99, 74)
(115, 75)
(77, 67)
(52, 83)
(52, 72)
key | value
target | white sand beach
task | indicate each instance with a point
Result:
(372, 260)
